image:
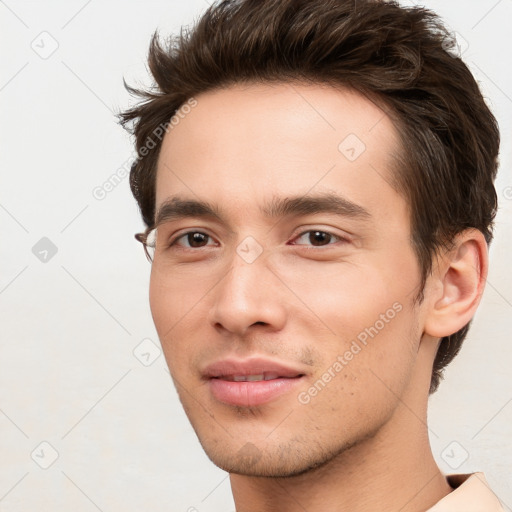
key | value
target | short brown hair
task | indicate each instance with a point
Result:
(399, 57)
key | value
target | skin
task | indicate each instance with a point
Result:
(361, 443)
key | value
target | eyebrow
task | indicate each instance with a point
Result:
(177, 207)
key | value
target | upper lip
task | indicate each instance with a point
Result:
(251, 366)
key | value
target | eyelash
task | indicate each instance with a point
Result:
(300, 235)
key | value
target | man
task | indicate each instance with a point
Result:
(316, 177)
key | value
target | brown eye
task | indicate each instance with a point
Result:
(193, 240)
(317, 238)
(197, 239)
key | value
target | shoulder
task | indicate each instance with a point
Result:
(471, 493)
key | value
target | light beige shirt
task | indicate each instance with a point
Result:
(471, 494)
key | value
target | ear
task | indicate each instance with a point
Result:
(457, 284)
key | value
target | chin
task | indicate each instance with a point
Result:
(280, 461)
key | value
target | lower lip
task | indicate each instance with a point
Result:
(251, 393)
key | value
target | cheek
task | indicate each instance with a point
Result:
(363, 375)
(174, 296)
(367, 315)
(173, 302)
(164, 303)
(348, 296)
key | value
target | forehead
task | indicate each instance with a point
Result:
(247, 142)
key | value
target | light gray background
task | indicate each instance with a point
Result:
(72, 373)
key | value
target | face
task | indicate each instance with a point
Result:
(283, 277)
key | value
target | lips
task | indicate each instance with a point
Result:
(250, 382)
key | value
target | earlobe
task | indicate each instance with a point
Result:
(458, 283)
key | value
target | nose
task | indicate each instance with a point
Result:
(247, 296)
